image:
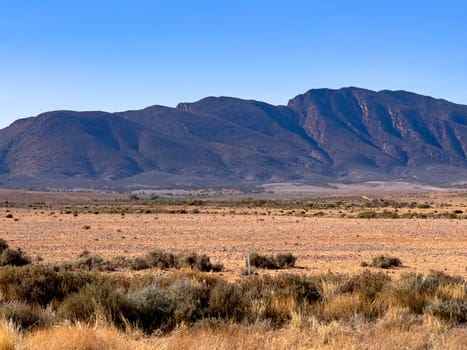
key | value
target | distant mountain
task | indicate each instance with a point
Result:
(324, 135)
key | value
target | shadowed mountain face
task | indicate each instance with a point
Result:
(321, 136)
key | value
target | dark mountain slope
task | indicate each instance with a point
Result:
(390, 131)
(245, 134)
(323, 135)
(94, 145)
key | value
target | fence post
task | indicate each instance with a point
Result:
(248, 261)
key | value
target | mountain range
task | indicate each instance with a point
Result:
(322, 136)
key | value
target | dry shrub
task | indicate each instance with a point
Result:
(413, 291)
(88, 261)
(399, 318)
(274, 299)
(13, 257)
(280, 261)
(366, 283)
(101, 299)
(160, 259)
(225, 301)
(25, 316)
(386, 262)
(39, 284)
(163, 260)
(451, 311)
(285, 260)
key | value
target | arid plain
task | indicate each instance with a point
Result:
(330, 299)
(425, 230)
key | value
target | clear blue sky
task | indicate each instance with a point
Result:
(116, 55)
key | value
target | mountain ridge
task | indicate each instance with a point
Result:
(323, 135)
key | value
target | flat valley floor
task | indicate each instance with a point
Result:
(323, 240)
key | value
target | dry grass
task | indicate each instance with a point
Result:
(9, 336)
(355, 312)
(356, 334)
(84, 337)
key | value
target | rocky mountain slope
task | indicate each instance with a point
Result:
(321, 136)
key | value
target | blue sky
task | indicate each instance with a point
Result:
(116, 55)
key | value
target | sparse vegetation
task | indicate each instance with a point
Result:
(386, 262)
(96, 302)
(280, 261)
(11, 256)
(153, 303)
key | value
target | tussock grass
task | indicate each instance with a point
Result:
(95, 310)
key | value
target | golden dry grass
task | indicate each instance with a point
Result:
(356, 334)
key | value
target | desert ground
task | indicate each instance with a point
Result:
(326, 233)
(333, 233)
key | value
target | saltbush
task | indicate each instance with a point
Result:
(386, 262)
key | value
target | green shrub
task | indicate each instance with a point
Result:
(39, 284)
(3, 245)
(102, 298)
(150, 308)
(165, 260)
(191, 300)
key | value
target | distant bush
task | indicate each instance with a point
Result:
(280, 261)
(285, 260)
(160, 259)
(423, 206)
(87, 260)
(199, 262)
(193, 201)
(386, 262)
(10, 256)
(163, 260)
(367, 215)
